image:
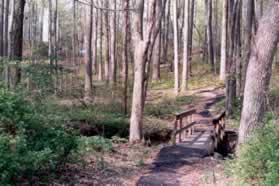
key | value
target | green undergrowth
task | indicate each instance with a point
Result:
(258, 160)
(168, 107)
(100, 119)
(32, 141)
(195, 82)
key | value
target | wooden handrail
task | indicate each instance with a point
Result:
(219, 128)
(184, 128)
(219, 117)
(184, 114)
(178, 124)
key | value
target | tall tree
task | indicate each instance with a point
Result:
(142, 43)
(51, 39)
(16, 34)
(6, 25)
(186, 47)
(157, 49)
(126, 57)
(210, 47)
(224, 43)
(259, 72)
(113, 63)
(191, 28)
(2, 9)
(88, 55)
(247, 21)
(74, 38)
(175, 43)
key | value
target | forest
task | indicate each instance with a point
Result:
(139, 92)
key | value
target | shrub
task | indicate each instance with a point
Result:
(258, 161)
(94, 143)
(30, 141)
(162, 110)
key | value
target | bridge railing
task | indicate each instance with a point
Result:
(219, 124)
(183, 125)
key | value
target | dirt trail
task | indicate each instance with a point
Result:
(179, 165)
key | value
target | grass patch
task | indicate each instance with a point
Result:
(168, 107)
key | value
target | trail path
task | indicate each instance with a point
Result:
(182, 164)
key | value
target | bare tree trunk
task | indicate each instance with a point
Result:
(166, 44)
(50, 33)
(259, 72)
(258, 11)
(126, 57)
(209, 35)
(2, 9)
(234, 54)
(113, 65)
(175, 43)
(143, 44)
(157, 49)
(100, 71)
(17, 35)
(55, 42)
(224, 43)
(247, 21)
(107, 24)
(88, 55)
(191, 27)
(74, 33)
(6, 35)
(96, 42)
(186, 47)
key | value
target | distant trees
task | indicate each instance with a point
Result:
(259, 72)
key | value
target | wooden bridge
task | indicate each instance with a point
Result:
(196, 135)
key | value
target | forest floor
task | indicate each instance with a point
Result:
(130, 164)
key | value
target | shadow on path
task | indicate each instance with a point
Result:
(164, 170)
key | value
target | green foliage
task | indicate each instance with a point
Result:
(41, 50)
(167, 108)
(258, 160)
(164, 109)
(94, 143)
(30, 140)
(106, 122)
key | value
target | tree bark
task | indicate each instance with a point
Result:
(113, 64)
(247, 21)
(175, 43)
(186, 47)
(2, 9)
(191, 28)
(259, 72)
(6, 35)
(74, 33)
(157, 49)
(143, 44)
(16, 35)
(88, 56)
(224, 43)
(209, 35)
(126, 57)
